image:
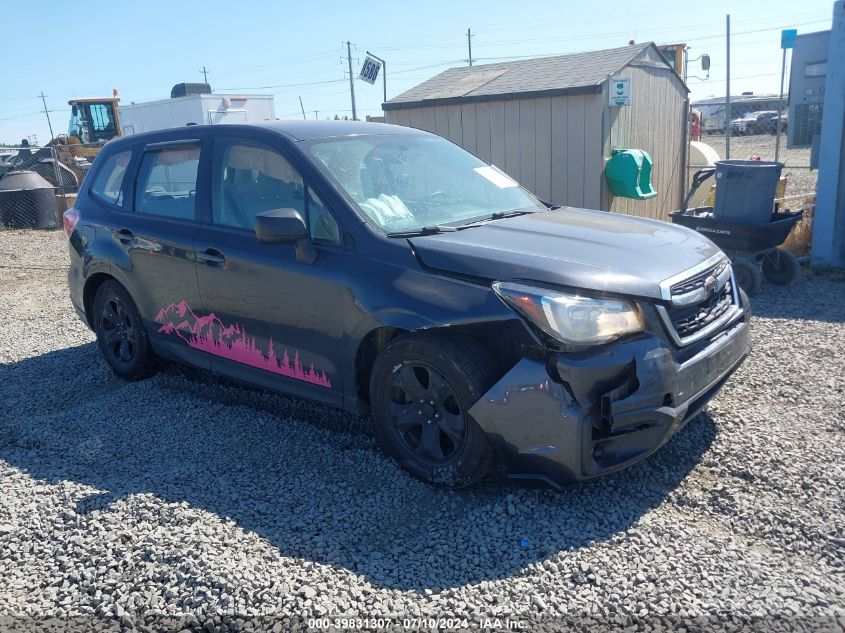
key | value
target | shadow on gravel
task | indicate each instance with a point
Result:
(811, 297)
(308, 479)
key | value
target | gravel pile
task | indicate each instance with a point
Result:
(224, 508)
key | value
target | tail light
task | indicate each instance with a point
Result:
(69, 220)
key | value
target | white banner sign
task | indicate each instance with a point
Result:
(370, 69)
(620, 91)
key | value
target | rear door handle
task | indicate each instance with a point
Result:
(123, 235)
(211, 256)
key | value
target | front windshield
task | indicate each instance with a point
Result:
(405, 183)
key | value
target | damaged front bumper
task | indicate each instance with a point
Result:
(589, 414)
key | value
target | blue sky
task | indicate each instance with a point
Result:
(85, 49)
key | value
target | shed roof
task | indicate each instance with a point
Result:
(576, 73)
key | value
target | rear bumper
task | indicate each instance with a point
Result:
(604, 411)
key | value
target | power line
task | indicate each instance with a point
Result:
(771, 28)
(310, 83)
(710, 81)
(24, 116)
(293, 61)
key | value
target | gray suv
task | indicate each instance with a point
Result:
(384, 270)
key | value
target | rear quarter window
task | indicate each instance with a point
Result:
(108, 181)
(167, 183)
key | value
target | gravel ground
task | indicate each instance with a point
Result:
(225, 507)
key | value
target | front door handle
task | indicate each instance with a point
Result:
(123, 235)
(211, 256)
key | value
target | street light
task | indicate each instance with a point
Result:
(705, 66)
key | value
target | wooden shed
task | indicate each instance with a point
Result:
(549, 124)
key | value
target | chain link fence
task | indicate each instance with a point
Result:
(38, 184)
(754, 136)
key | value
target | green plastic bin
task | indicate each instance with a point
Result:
(628, 174)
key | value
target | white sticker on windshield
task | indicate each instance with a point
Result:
(498, 178)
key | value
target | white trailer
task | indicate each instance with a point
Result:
(199, 109)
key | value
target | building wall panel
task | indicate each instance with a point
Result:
(482, 132)
(557, 146)
(543, 148)
(654, 122)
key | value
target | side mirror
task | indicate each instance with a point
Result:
(705, 62)
(286, 226)
(280, 226)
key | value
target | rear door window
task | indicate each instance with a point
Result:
(108, 182)
(167, 183)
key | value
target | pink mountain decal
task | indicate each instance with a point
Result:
(209, 334)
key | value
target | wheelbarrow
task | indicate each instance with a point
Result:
(752, 248)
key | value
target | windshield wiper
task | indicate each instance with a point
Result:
(448, 228)
(498, 215)
(425, 230)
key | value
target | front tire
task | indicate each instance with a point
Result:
(120, 332)
(421, 389)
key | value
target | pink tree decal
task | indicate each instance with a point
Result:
(209, 334)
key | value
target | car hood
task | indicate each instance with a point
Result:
(593, 250)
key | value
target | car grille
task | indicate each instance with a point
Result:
(696, 282)
(690, 320)
(695, 308)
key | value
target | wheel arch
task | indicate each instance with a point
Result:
(506, 340)
(89, 292)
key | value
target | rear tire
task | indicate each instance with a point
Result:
(120, 332)
(748, 275)
(421, 390)
(780, 267)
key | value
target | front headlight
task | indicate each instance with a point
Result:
(572, 318)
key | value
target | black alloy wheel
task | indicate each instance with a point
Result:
(120, 332)
(425, 413)
(422, 387)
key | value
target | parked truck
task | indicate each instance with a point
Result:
(195, 109)
(97, 120)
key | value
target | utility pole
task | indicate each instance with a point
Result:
(785, 42)
(351, 79)
(316, 115)
(302, 107)
(204, 75)
(469, 45)
(47, 113)
(728, 89)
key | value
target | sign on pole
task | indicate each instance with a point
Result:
(787, 38)
(620, 91)
(370, 69)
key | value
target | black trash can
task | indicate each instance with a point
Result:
(745, 190)
(27, 201)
